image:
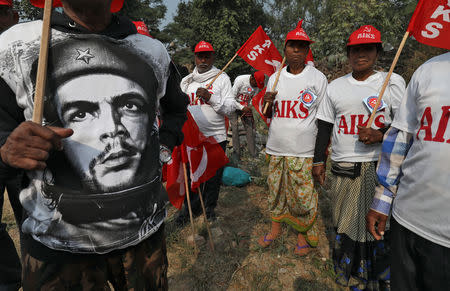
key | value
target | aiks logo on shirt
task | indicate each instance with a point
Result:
(426, 124)
(307, 97)
(290, 109)
(348, 125)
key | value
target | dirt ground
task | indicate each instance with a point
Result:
(238, 263)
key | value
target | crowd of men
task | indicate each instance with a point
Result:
(115, 103)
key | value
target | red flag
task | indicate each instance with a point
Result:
(260, 52)
(142, 28)
(173, 173)
(258, 103)
(205, 157)
(430, 23)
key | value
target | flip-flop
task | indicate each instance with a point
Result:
(298, 247)
(266, 240)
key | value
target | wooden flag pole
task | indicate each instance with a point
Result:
(221, 71)
(38, 110)
(211, 243)
(218, 74)
(189, 205)
(275, 84)
(386, 81)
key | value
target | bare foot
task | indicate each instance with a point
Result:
(302, 248)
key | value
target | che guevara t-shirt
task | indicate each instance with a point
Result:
(103, 190)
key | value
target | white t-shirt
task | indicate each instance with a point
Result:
(243, 91)
(422, 203)
(293, 129)
(210, 117)
(344, 107)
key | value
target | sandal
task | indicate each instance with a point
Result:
(264, 241)
(298, 249)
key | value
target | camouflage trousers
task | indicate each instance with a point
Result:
(140, 267)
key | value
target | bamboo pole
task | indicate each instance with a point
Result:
(211, 243)
(218, 74)
(189, 205)
(41, 78)
(275, 84)
(386, 81)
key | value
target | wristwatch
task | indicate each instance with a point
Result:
(165, 154)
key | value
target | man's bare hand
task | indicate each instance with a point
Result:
(204, 94)
(269, 97)
(376, 223)
(28, 146)
(369, 135)
(318, 172)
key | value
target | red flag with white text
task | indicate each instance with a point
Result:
(430, 23)
(260, 52)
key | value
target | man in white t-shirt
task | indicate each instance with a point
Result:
(209, 105)
(245, 87)
(413, 173)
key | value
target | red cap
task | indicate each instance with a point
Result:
(6, 2)
(365, 34)
(142, 28)
(298, 34)
(116, 5)
(259, 77)
(203, 46)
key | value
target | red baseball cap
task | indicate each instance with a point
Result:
(142, 28)
(116, 5)
(6, 2)
(298, 34)
(203, 46)
(259, 77)
(364, 34)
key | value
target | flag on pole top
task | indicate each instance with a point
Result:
(430, 23)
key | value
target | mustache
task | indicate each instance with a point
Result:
(115, 150)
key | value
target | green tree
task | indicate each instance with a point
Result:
(226, 24)
(27, 11)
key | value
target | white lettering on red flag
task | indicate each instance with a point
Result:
(430, 23)
(260, 53)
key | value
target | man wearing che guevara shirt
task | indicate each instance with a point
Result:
(93, 195)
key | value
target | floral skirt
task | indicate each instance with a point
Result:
(292, 196)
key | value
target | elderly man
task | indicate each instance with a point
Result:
(10, 267)
(208, 107)
(93, 201)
